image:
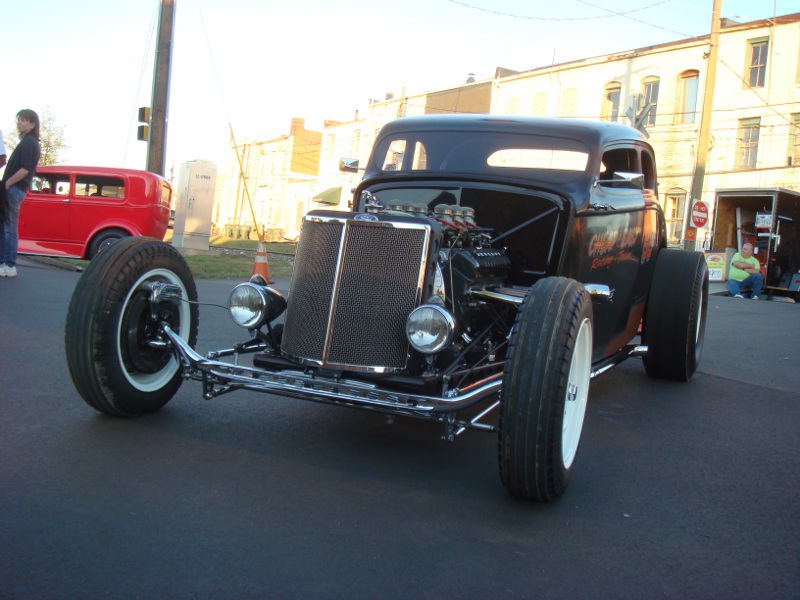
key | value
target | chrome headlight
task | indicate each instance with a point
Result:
(252, 305)
(430, 328)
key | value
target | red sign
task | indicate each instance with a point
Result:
(699, 214)
(690, 234)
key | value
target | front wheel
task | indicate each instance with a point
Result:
(545, 389)
(116, 353)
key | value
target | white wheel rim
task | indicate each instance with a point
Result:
(577, 393)
(699, 320)
(150, 382)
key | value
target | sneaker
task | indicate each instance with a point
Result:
(8, 271)
(738, 296)
(3, 270)
(755, 298)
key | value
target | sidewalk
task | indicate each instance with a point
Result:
(719, 288)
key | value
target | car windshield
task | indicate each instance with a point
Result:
(527, 156)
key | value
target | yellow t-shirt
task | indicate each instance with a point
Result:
(738, 274)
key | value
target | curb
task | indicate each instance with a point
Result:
(55, 262)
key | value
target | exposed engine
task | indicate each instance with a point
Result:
(467, 263)
(467, 260)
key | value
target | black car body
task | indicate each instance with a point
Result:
(595, 219)
(489, 268)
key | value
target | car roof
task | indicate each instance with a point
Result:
(84, 170)
(593, 133)
(594, 136)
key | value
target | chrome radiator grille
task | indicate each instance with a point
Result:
(353, 286)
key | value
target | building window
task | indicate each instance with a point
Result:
(611, 96)
(569, 103)
(355, 143)
(794, 141)
(674, 210)
(512, 106)
(650, 96)
(747, 143)
(330, 145)
(756, 69)
(539, 105)
(688, 100)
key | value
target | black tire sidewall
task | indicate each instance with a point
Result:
(533, 394)
(92, 332)
(675, 316)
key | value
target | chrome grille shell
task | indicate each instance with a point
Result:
(354, 284)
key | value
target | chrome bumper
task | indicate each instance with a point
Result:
(219, 377)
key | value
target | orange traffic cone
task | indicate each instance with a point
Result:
(261, 266)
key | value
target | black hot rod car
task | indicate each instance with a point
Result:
(489, 269)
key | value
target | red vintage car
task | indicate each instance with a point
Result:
(78, 211)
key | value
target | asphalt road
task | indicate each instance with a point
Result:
(680, 490)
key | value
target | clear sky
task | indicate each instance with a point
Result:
(257, 63)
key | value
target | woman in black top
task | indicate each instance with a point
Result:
(16, 180)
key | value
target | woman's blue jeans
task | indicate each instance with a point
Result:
(9, 236)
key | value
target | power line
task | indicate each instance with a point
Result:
(627, 16)
(558, 19)
(145, 56)
(613, 13)
(752, 89)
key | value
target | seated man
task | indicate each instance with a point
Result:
(745, 272)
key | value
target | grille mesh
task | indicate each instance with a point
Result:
(377, 289)
(306, 321)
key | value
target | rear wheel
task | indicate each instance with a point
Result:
(115, 351)
(545, 389)
(104, 239)
(675, 318)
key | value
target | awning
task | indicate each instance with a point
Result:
(330, 196)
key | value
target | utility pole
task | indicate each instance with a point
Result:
(701, 153)
(157, 142)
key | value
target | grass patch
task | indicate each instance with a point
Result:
(218, 241)
(221, 241)
(238, 267)
(232, 265)
(74, 261)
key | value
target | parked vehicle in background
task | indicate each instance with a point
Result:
(768, 218)
(78, 211)
(489, 269)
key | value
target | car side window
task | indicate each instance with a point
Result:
(420, 158)
(41, 185)
(649, 170)
(619, 160)
(393, 161)
(51, 184)
(398, 158)
(105, 187)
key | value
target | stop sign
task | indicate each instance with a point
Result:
(699, 214)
